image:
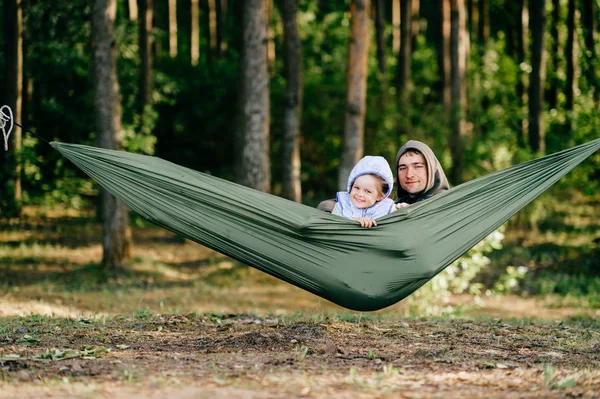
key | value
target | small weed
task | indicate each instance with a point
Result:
(130, 377)
(83, 322)
(371, 355)
(86, 352)
(303, 353)
(28, 339)
(352, 375)
(143, 314)
(565, 383)
(390, 370)
(548, 371)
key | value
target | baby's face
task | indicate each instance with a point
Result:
(365, 191)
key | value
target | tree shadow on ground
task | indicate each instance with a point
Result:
(69, 277)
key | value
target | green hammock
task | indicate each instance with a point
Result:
(332, 257)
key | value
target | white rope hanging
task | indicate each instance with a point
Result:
(6, 119)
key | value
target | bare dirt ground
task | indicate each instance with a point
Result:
(187, 323)
(246, 356)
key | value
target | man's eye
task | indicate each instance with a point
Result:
(402, 168)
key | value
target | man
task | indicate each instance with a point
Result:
(420, 176)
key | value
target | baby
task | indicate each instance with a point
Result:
(369, 185)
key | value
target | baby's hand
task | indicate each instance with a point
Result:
(366, 222)
(400, 205)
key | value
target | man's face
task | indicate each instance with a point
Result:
(412, 173)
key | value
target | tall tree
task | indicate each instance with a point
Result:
(520, 13)
(459, 43)
(291, 185)
(132, 9)
(473, 17)
(444, 53)
(405, 54)
(415, 15)
(145, 45)
(116, 233)
(270, 34)
(252, 166)
(396, 26)
(483, 31)
(588, 20)
(173, 28)
(356, 89)
(221, 12)
(571, 80)
(380, 36)
(212, 25)
(195, 32)
(10, 162)
(537, 77)
(552, 91)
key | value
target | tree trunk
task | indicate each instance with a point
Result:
(270, 35)
(552, 92)
(396, 26)
(444, 55)
(145, 45)
(27, 83)
(458, 61)
(404, 56)
(510, 27)
(415, 12)
(132, 8)
(253, 113)
(571, 81)
(537, 22)
(221, 7)
(588, 13)
(116, 234)
(483, 33)
(10, 161)
(173, 28)
(212, 25)
(380, 37)
(291, 185)
(195, 32)
(521, 45)
(473, 17)
(356, 91)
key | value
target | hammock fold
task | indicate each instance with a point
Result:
(332, 257)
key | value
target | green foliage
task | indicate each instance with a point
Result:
(458, 278)
(565, 288)
(509, 282)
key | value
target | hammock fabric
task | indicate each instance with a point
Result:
(332, 257)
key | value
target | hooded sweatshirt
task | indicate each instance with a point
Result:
(436, 179)
(369, 165)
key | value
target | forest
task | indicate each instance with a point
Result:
(285, 96)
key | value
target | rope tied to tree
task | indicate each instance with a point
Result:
(6, 119)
